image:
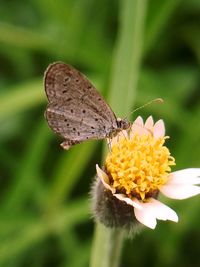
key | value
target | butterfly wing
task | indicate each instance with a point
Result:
(76, 110)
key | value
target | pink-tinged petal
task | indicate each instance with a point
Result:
(139, 121)
(162, 212)
(180, 191)
(159, 129)
(145, 217)
(138, 127)
(149, 123)
(104, 179)
(128, 201)
(187, 176)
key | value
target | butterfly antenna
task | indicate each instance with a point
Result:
(156, 100)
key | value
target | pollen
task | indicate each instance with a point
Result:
(139, 166)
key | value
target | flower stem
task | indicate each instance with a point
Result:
(107, 246)
(125, 71)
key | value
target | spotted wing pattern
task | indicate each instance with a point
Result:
(76, 110)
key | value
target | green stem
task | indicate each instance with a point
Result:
(108, 243)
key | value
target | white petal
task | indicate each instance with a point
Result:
(129, 201)
(104, 178)
(145, 217)
(180, 191)
(153, 210)
(149, 123)
(159, 129)
(186, 176)
(163, 212)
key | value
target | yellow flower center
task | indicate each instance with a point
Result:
(138, 166)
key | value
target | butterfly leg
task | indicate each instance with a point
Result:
(125, 137)
(68, 143)
(109, 145)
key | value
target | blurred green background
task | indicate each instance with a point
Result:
(44, 204)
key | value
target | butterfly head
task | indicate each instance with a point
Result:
(123, 124)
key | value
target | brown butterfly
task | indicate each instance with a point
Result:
(76, 110)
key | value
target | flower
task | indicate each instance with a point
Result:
(138, 169)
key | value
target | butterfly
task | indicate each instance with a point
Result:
(76, 110)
